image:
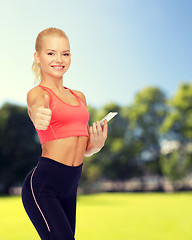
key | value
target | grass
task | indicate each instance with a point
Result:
(112, 216)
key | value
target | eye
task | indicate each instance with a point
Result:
(66, 54)
(50, 53)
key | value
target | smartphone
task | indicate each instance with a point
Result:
(108, 117)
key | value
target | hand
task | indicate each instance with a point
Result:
(98, 135)
(42, 116)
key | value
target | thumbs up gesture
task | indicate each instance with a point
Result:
(42, 116)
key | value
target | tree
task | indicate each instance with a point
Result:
(177, 126)
(175, 165)
(178, 123)
(146, 115)
(19, 145)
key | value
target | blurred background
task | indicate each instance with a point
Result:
(129, 56)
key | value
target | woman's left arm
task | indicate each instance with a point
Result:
(97, 137)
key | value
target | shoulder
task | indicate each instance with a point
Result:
(81, 95)
(35, 94)
(35, 91)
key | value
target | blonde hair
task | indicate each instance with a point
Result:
(38, 46)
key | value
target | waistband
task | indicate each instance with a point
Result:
(53, 162)
(56, 171)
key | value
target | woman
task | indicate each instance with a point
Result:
(60, 117)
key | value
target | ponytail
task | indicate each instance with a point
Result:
(37, 71)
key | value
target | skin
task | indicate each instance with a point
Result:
(53, 55)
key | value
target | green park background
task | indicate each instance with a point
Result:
(137, 187)
(148, 146)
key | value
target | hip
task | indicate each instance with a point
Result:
(51, 178)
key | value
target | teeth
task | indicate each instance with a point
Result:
(58, 68)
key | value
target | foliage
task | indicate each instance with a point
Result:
(178, 122)
(113, 159)
(175, 165)
(133, 147)
(19, 147)
(146, 116)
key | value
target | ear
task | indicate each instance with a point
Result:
(36, 57)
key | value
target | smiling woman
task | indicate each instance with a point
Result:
(60, 117)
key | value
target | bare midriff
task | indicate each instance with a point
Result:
(69, 151)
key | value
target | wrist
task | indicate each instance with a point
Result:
(91, 150)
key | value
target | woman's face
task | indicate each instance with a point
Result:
(55, 57)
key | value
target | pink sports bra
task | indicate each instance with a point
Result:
(66, 120)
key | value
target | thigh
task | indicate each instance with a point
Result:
(45, 211)
(32, 210)
(60, 228)
(69, 206)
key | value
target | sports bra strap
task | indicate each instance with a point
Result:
(51, 91)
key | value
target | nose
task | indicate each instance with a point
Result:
(59, 58)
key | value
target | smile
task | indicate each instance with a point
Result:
(58, 68)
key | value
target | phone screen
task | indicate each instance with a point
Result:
(108, 117)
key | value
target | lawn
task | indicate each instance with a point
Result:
(112, 216)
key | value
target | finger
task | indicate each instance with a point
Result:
(45, 111)
(105, 128)
(46, 101)
(43, 123)
(94, 128)
(42, 116)
(90, 130)
(99, 127)
(41, 127)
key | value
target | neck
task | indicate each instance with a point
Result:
(52, 82)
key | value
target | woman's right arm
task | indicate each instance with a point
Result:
(38, 108)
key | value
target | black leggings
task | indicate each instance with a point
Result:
(49, 197)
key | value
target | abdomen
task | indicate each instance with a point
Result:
(69, 151)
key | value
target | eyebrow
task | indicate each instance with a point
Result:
(54, 50)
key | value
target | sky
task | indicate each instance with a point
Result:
(118, 47)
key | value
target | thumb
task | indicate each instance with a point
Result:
(46, 101)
